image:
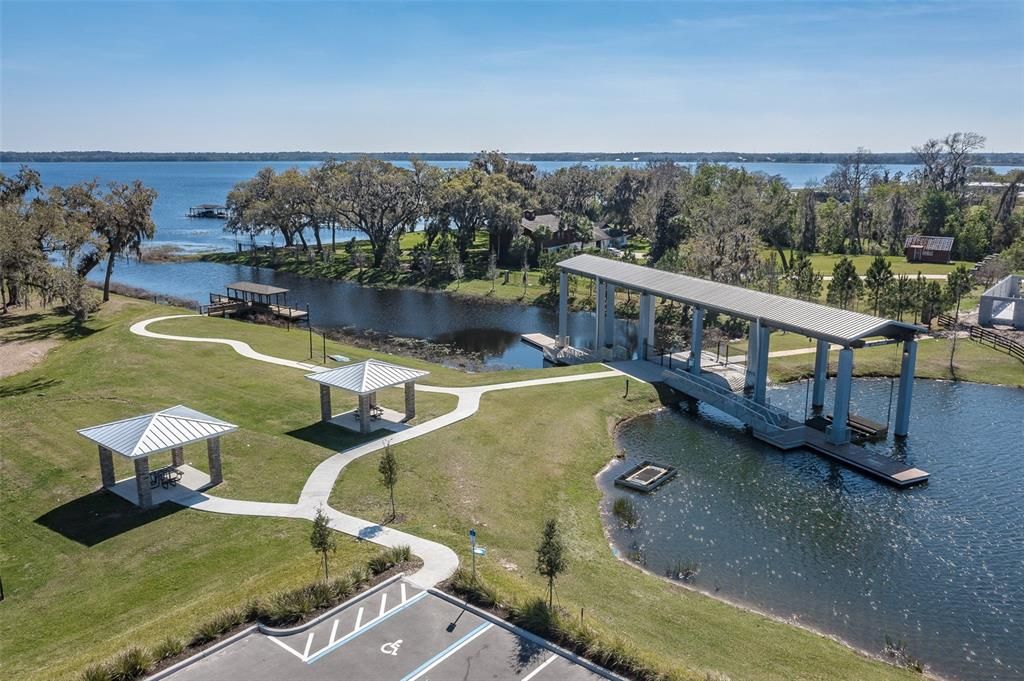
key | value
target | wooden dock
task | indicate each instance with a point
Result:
(865, 460)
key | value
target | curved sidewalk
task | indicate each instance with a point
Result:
(439, 561)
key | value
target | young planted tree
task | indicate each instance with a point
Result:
(322, 538)
(958, 283)
(523, 245)
(388, 469)
(845, 285)
(804, 282)
(878, 277)
(551, 560)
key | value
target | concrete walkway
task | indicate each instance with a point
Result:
(439, 561)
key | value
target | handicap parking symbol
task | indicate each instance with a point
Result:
(391, 648)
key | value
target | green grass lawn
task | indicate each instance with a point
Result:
(505, 482)
(824, 264)
(87, 574)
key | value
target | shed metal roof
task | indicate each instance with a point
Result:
(259, 289)
(932, 243)
(844, 327)
(366, 377)
(152, 433)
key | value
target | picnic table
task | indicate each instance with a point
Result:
(165, 477)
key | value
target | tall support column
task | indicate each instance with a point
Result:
(213, 457)
(178, 456)
(410, 400)
(906, 388)
(696, 340)
(649, 332)
(839, 432)
(364, 413)
(641, 331)
(609, 316)
(761, 382)
(325, 402)
(599, 314)
(563, 308)
(107, 467)
(142, 482)
(820, 375)
(753, 334)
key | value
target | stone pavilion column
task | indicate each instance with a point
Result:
(364, 413)
(325, 402)
(178, 456)
(410, 400)
(107, 467)
(142, 482)
(213, 456)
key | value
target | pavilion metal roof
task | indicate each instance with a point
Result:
(824, 322)
(152, 433)
(366, 377)
(259, 289)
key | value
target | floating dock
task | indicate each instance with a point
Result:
(558, 354)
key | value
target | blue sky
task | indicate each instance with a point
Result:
(686, 76)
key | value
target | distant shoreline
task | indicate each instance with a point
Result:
(895, 158)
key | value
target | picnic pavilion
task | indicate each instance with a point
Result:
(140, 437)
(365, 379)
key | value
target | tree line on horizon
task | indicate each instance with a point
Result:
(712, 221)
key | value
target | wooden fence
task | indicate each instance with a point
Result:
(985, 336)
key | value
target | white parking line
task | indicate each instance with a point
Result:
(383, 604)
(369, 625)
(309, 644)
(403, 592)
(287, 647)
(359, 619)
(448, 652)
(334, 632)
(536, 671)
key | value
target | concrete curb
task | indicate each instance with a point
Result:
(529, 636)
(327, 614)
(270, 631)
(188, 661)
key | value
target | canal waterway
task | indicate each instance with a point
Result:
(939, 566)
(489, 330)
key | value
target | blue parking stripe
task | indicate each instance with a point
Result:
(429, 663)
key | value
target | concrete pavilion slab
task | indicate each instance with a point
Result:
(365, 379)
(193, 480)
(390, 420)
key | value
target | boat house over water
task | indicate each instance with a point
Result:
(765, 313)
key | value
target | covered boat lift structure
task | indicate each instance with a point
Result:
(765, 313)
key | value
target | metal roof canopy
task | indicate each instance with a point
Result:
(157, 432)
(844, 327)
(258, 289)
(366, 377)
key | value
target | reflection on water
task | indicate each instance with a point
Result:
(940, 566)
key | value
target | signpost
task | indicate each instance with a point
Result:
(472, 549)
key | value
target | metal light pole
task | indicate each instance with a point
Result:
(309, 325)
(472, 549)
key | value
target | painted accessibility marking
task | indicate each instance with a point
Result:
(391, 648)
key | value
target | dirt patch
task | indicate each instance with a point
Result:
(18, 356)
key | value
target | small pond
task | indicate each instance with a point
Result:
(939, 566)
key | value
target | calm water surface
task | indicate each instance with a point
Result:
(940, 566)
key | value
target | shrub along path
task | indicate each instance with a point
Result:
(439, 561)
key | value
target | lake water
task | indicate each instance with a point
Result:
(189, 183)
(940, 566)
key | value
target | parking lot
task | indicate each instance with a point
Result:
(398, 633)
